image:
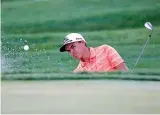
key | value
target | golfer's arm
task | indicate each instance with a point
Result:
(122, 66)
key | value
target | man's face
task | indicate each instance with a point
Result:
(76, 49)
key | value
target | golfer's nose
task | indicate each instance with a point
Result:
(71, 52)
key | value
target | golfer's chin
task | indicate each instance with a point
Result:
(77, 57)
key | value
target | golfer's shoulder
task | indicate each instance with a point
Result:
(103, 47)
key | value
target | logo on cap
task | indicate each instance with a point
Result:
(78, 38)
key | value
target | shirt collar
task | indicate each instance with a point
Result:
(92, 56)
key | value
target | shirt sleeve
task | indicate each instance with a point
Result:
(114, 57)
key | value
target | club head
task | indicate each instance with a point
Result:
(148, 25)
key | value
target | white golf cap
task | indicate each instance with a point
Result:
(70, 38)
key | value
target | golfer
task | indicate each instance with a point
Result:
(103, 58)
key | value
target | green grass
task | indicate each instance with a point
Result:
(60, 15)
(44, 24)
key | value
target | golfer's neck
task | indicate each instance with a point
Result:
(86, 55)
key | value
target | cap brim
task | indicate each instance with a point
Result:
(62, 49)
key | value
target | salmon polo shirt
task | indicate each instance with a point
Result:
(102, 59)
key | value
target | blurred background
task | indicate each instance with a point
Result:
(43, 24)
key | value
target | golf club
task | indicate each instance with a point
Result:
(149, 26)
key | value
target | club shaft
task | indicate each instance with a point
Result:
(143, 50)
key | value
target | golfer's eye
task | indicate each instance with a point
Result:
(72, 47)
